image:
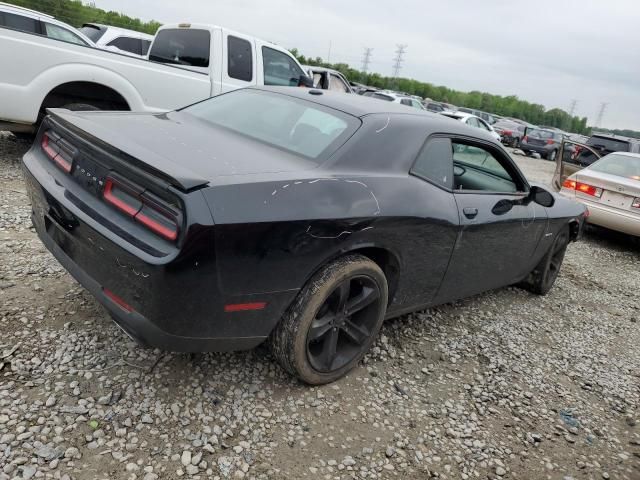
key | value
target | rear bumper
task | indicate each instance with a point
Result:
(137, 326)
(541, 149)
(175, 302)
(610, 218)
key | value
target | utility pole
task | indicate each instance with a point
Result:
(572, 108)
(397, 61)
(366, 59)
(329, 54)
(603, 107)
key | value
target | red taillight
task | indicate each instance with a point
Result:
(117, 300)
(53, 151)
(507, 132)
(144, 207)
(582, 187)
(550, 141)
(242, 307)
(588, 189)
(636, 203)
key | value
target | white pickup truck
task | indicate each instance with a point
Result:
(187, 63)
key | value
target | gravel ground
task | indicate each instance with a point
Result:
(504, 384)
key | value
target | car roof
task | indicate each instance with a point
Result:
(23, 11)
(613, 136)
(120, 30)
(624, 154)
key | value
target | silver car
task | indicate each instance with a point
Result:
(610, 189)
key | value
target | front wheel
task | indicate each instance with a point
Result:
(333, 321)
(544, 275)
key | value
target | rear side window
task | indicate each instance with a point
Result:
(181, 47)
(280, 68)
(240, 60)
(19, 22)
(128, 44)
(95, 33)
(406, 101)
(337, 84)
(435, 162)
(59, 33)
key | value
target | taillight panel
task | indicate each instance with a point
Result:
(58, 151)
(582, 188)
(144, 207)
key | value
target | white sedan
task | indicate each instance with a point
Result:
(610, 189)
(473, 121)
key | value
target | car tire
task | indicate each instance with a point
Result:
(551, 156)
(318, 339)
(544, 275)
(515, 143)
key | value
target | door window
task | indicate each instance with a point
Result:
(417, 104)
(472, 122)
(240, 60)
(128, 44)
(483, 124)
(435, 163)
(280, 68)
(406, 101)
(181, 47)
(59, 33)
(19, 22)
(145, 46)
(479, 169)
(336, 84)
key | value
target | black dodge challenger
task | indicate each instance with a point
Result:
(296, 216)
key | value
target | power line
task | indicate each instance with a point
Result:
(603, 107)
(397, 61)
(366, 59)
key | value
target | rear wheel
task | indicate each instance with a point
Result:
(515, 143)
(551, 156)
(542, 278)
(333, 321)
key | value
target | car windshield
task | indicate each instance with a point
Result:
(609, 144)
(278, 120)
(93, 32)
(619, 165)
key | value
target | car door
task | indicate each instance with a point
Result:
(568, 160)
(500, 229)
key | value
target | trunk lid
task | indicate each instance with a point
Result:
(182, 150)
(617, 192)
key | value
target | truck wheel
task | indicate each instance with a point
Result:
(544, 275)
(333, 321)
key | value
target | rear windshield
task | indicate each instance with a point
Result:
(541, 134)
(181, 47)
(609, 144)
(288, 123)
(382, 96)
(620, 165)
(93, 32)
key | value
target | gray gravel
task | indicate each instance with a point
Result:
(501, 385)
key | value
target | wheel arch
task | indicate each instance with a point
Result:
(84, 92)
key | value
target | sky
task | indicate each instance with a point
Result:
(550, 52)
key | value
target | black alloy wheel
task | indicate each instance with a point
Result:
(333, 321)
(343, 324)
(543, 277)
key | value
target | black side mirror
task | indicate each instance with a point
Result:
(542, 197)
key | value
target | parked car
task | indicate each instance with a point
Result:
(118, 39)
(328, 79)
(434, 107)
(610, 189)
(487, 117)
(473, 121)
(545, 142)
(604, 144)
(393, 97)
(26, 20)
(180, 72)
(510, 132)
(353, 210)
